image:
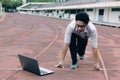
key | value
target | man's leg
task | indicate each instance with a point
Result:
(81, 46)
(73, 47)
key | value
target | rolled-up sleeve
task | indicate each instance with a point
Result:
(94, 38)
(68, 33)
(93, 34)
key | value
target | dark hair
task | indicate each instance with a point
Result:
(82, 16)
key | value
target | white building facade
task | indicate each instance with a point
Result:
(108, 12)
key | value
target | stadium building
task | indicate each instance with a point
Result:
(100, 11)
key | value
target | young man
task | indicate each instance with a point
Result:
(76, 38)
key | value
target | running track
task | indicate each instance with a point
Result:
(42, 38)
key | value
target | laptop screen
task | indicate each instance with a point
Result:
(29, 64)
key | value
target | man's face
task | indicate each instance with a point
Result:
(80, 26)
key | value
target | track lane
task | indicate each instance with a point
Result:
(54, 50)
(21, 36)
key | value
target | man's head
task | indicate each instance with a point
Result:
(82, 16)
(82, 20)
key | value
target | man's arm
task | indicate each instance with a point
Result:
(96, 58)
(67, 39)
(64, 51)
(94, 40)
(62, 56)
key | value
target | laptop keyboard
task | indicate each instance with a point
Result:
(43, 72)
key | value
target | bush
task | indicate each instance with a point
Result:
(11, 5)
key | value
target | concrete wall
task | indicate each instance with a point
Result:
(108, 15)
(91, 15)
(114, 16)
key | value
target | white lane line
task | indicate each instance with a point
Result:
(104, 68)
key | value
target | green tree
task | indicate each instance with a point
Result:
(11, 4)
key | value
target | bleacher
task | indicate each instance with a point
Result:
(29, 6)
(49, 5)
(77, 2)
(65, 3)
(72, 2)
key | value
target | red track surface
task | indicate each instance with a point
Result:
(42, 38)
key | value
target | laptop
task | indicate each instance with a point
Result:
(31, 65)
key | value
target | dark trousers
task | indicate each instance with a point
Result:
(77, 45)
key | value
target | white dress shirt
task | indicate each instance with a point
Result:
(90, 29)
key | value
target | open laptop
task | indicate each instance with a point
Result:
(31, 65)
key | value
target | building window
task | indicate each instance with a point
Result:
(115, 9)
(73, 11)
(119, 17)
(67, 11)
(49, 11)
(80, 10)
(90, 9)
